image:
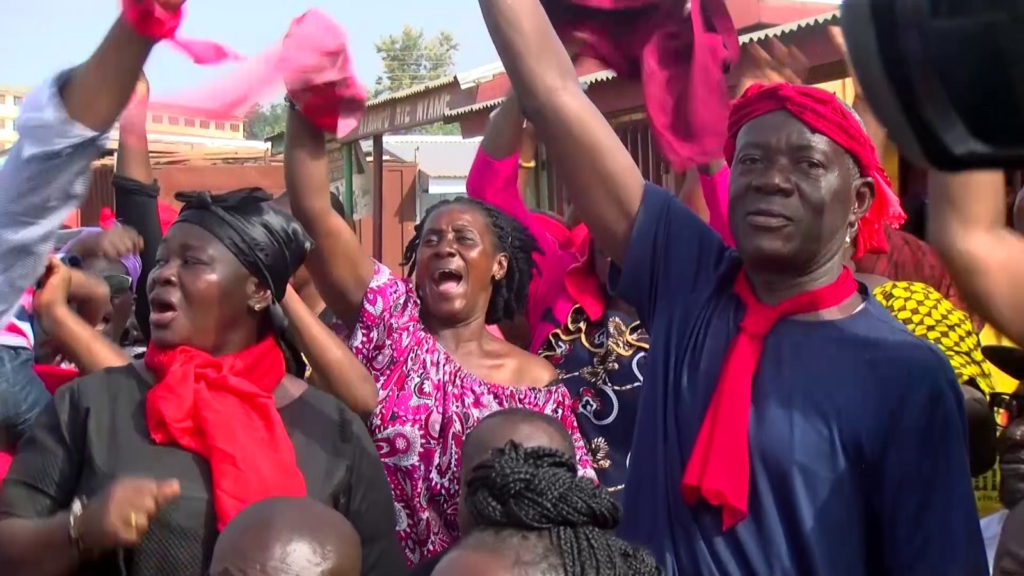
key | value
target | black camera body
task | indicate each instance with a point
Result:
(946, 77)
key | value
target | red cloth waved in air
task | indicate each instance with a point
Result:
(319, 76)
(719, 468)
(823, 113)
(680, 57)
(312, 63)
(153, 20)
(223, 409)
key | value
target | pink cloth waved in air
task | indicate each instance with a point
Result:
(565, 273)
(678, 50)
(312, 63)
(152, 20)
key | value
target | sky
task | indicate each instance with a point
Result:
(45, 36)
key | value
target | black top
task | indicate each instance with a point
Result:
(137, 206)
(426, 568)
(95, 431)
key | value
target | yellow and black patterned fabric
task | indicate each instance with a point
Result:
(928, 315)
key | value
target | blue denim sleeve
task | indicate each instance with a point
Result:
(927, 511)
(673, 256)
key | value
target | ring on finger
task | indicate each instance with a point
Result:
(135, 524)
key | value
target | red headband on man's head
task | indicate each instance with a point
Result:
(823, 113)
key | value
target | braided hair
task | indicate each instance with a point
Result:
(534, 496)
(508, 296)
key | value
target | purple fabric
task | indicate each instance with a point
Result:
(132, 262)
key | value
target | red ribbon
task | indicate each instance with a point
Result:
(719, 467)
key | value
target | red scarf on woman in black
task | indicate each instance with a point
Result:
(223, 409)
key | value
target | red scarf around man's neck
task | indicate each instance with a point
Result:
(719, 467)
(223, 410)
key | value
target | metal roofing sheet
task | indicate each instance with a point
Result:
(828, 18)
(587, 80)
(412, 91)
(451, 158)
(605, 75)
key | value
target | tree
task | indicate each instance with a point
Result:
(263, 121)
(411, 59)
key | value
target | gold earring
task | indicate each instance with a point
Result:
(257, 307)
(847, 238)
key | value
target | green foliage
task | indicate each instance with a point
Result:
(438, 129)
(411, 59)
(263, 121)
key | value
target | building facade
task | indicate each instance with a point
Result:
(183, 121)
(163, 119)
(11, 99)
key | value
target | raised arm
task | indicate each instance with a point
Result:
(336, 370)
(75, 338)
(494, 176)
(602, 180)
(136, 193)
(967, 227)
(61, 129)
(340, 269)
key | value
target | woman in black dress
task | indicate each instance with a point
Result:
(133, 470)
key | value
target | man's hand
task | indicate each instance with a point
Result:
(111, 244)
(835, 34)
(54, 289)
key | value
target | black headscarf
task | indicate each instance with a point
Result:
(270, 244)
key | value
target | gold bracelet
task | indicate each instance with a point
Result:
(529, 164)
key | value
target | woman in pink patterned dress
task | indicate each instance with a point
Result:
(437, 368)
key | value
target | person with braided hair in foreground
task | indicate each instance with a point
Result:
(533, 515)
(528, 428)
(425, 341)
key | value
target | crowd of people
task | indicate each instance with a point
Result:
(763, 377)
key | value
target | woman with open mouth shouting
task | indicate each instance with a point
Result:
(145, 463)
(437, 368)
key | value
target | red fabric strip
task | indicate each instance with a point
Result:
(679, 55)
(823, 113)
(719, 467)
(155, 21)
(223, 410)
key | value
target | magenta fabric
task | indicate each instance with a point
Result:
(565, 276)
(716, 196)
(151, 20)
(312, 63)
(679, 57)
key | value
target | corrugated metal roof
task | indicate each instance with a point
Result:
(828, 18)
(596, 77)
(474, 108)
(412, 91)
(587, 80)
(438, 157)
